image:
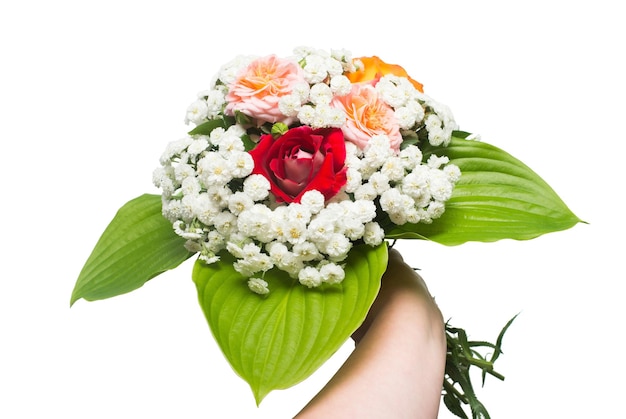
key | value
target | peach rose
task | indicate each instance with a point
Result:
(367, 115)
(374, 68)
(257, 88)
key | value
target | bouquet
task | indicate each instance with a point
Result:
(296, 175)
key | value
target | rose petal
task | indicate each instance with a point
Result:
(298, 169)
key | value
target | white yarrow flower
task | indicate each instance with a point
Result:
(320, 94)
(289, 105)
(332, 273)
(241, 165)
(340, 85)
(197, 146)
(313, 200)
(310, 277)
(258, 286)
(337, 246)
(239, 202)
(373, 234)
(256, 187)
(197, 112)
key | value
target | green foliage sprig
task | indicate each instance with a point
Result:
(462, 355)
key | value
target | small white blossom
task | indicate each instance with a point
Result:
(191, 186)
(256, 187)
(440, 186)
(197, 146)
(187, 231)
(313, 200)
(307, 114)
(435, 162)
(363, 210)
(337, 246)
(406, 118)
(241, 165)
(174, 148)
(340, 85)
(320, 94)
(315, 69)
(301, 92)
(228, 72)
(373, 234)
(289, 105)
(291, 264)
(219, 195)
(207, 257)
(182, 171)
(162, 178)
(256, 222)
(393, 201)
(306, 251)
(239, 202)
(215, 101)
(295, 231)
(215, 240)
(379, 181)
(189, 207)
(213, 169)
(229, 144)
(352, 228)
(411, 156)
(393, 94)
(277, 251)
(453, 172)
(258, 286)
(298, 213)
(365, 192)
(415, 183)
(332, 273)
(197, 112)
(353, 180)
(393, 169)
(435, 209)
(215, 137)
(320, 228)
(414, 215)
(310, 277)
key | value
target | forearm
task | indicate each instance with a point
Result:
(397, 367)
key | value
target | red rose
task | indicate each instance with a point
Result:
(300, 160)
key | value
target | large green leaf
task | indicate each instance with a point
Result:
(137, 245)
(277, 340)
(497, 197)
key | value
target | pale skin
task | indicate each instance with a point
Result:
(397, 367)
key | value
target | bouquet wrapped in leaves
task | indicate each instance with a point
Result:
(297, 173)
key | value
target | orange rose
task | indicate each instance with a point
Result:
(367, 115)
(374, 68)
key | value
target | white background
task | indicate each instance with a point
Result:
(91, 92)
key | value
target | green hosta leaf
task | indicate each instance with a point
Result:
(497, 197)
(137, 245)
(278, 340)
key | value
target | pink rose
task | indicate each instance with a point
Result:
(366, 116)
(258, 88)
(301, 160)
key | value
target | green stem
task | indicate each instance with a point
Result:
(449, 388)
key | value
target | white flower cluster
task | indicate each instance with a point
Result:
(213, 200)
(414, 109)
(406, 189)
